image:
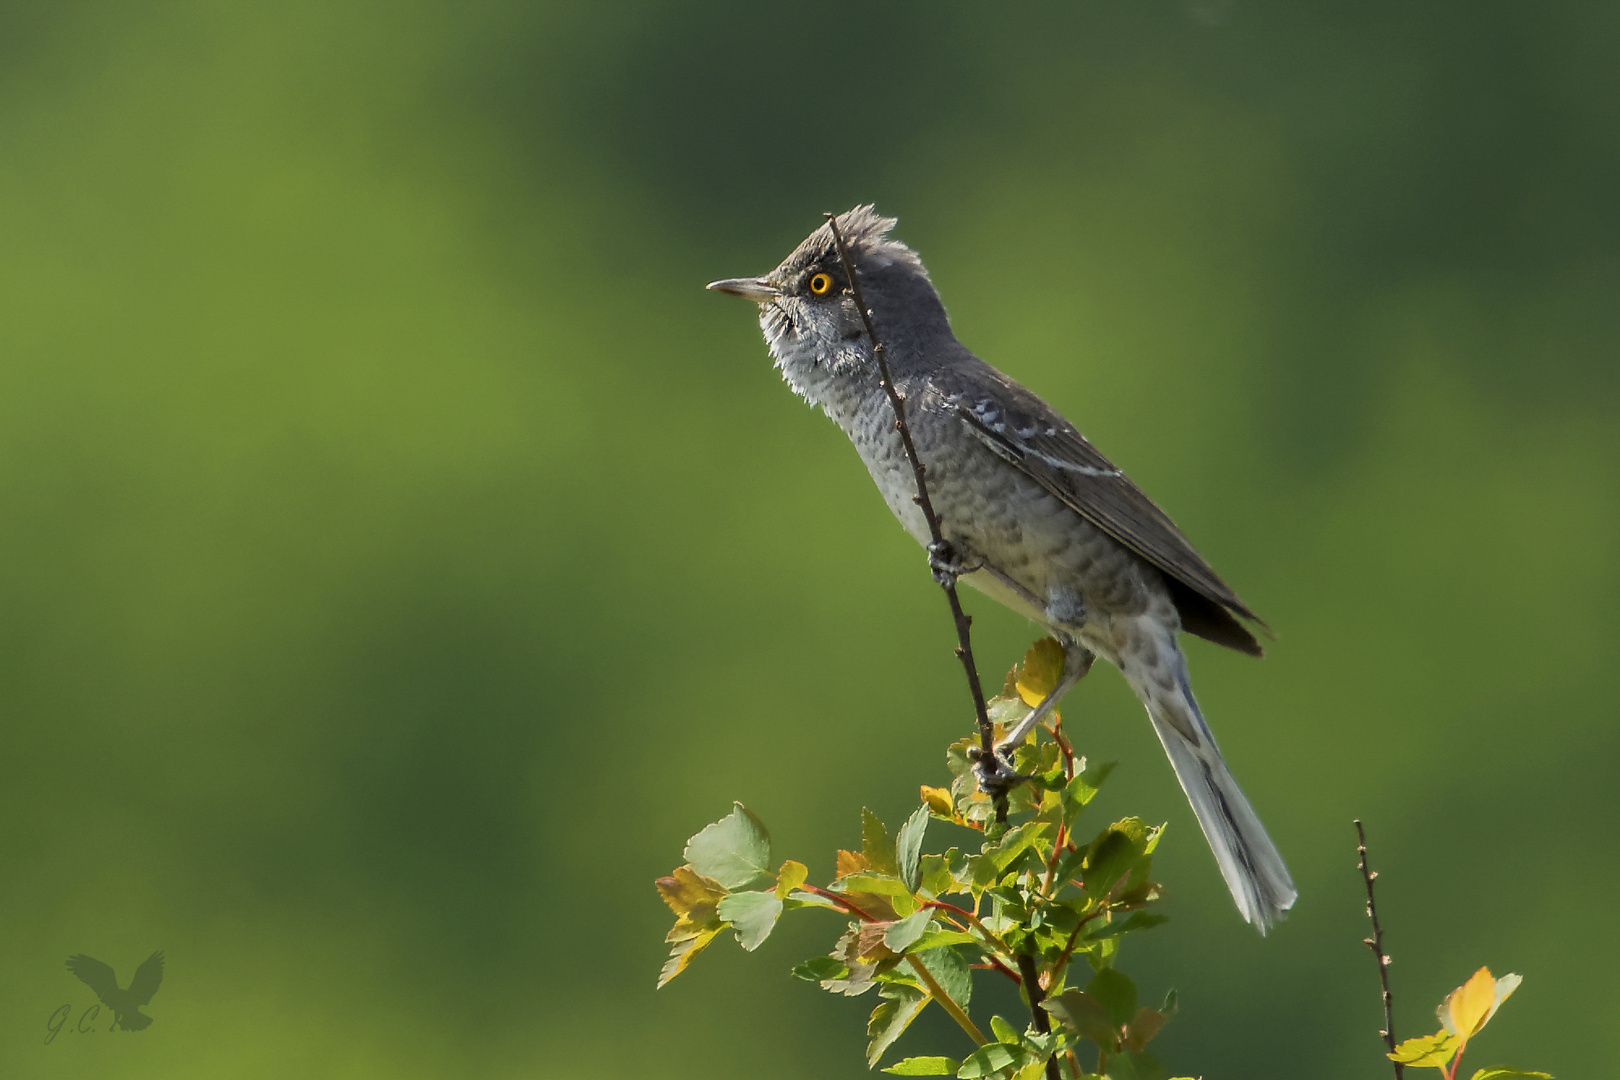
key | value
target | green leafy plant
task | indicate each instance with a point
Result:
(1033, 900)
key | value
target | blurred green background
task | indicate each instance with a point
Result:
(401, 554)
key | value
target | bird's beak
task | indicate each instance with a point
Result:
(756, 289)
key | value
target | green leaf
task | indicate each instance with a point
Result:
(934, 875)
(1084, 1015)
(996, 1057)
(753, 914)
(937, 938)
(820, 968)
(1082, 789)
(1134, 1065)
(1137, 920)
(952, 971)
(1069, 865)
(1010, 901)
(1501, 1072)
(903, 934)
(924, 1066)
(1048, 1043)
(802, 899)
(1006, 711)
(893, 1015)
(999, 854)
(735, 851)
(1118, 852)
(956, 757)
(856, 980)
(876, 845)
(891, 889)
(909, 847)
(1116, 993)
(1003, 1031)
(1144, 1026)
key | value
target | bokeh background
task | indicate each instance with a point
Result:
(401, 554)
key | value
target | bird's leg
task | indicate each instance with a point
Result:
(1077, 661)
(947, 563)
(995, 772)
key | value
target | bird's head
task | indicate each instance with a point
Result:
(807, 308)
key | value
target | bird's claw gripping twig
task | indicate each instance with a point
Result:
(946, 564)
(994, 772)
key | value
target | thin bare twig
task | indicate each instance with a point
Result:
(964, 644)
(1376, 944)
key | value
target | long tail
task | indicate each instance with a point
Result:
(1251, 864)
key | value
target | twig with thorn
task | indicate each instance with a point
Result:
(964, 644)
(1376, 944)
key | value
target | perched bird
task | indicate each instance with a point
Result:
(1030, 512)
(125, 1004)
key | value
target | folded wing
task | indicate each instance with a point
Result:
(1029, 434)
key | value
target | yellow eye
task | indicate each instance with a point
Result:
(821, 284)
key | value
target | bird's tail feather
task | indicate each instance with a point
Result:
(1249, 861)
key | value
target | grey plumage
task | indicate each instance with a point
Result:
(1046, 524)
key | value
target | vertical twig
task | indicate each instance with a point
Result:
(964, 644)
(1376, 944)
(1032, 987)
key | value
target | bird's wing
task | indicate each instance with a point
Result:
(1033, 437)
(146, 979)
(94, 974)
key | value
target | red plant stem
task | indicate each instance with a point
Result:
(1068, 751)
(971, 919)
(1068, 950)
(1058, 846)
(837, 899)
(995, 964)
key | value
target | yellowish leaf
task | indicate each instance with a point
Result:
(850, 862)
(1040, 672)
(1470, 1007)
(686, 889)
(684, 953)
(790, 877)
(1427, 1051)
(938, 800)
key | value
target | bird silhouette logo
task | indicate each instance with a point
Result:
(125, 1004)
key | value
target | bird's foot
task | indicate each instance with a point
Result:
(947, 564)
(995, 774)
